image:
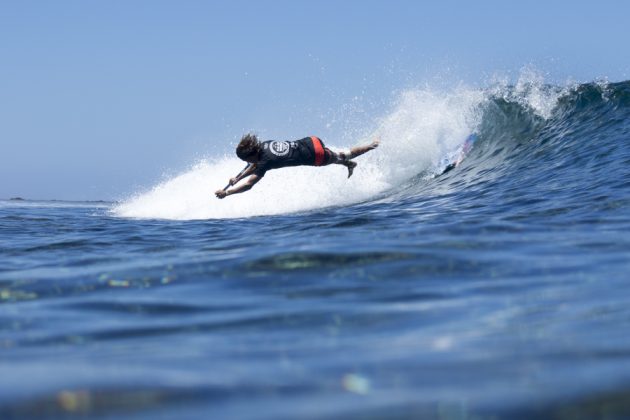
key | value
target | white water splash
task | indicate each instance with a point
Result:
(422, 127)
(530, 91)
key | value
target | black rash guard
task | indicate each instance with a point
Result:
(280, 154)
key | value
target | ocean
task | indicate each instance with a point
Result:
(500, 289)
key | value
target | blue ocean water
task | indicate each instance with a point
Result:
(498, 290)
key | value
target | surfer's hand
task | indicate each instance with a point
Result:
(221, 194)
(375, 143)
(233, 181)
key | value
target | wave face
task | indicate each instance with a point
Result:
(529, 132)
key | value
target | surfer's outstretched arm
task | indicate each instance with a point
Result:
(244, 174)
(253, 179)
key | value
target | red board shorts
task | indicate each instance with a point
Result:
(323, 155)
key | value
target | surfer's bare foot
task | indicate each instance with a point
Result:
(350, 165)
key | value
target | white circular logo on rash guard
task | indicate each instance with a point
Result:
(279, 148)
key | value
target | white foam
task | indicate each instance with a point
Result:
(422, 126)
(531, 92)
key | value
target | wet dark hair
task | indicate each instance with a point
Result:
(248, 146)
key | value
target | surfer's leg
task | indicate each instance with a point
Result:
(359, 150)
(345, 158)
(350, 165)
(340, 158)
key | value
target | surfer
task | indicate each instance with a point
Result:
(266, 155)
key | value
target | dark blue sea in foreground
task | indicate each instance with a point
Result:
(500, 290)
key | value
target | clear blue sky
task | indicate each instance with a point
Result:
(101, 98)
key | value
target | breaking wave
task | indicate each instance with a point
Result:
(528, 126)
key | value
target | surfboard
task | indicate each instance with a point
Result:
(465, 149)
